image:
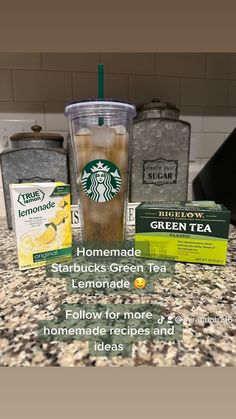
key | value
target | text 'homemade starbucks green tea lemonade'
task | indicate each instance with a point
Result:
(100, 132)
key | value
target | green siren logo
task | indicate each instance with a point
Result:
(28, 197)
(101, 180)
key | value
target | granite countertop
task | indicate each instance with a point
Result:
(195, 291)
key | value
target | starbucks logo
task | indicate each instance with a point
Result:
(101, 180)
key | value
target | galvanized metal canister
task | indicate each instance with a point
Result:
(35, 157)
(31, 165)
(160, 154)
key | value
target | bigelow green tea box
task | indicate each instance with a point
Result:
(193, 231)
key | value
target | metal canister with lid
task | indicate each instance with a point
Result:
(34, 157)
(160, 154)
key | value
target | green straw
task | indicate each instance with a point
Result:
(100, 88)
(100, 81)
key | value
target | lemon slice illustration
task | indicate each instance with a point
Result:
(58, 219)
(48, 235)
(62, 213)
(63, 202)
(27, 242)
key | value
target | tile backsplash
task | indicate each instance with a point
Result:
(36, 87)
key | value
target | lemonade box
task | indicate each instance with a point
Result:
(42, 222)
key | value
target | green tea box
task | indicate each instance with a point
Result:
(193, 231)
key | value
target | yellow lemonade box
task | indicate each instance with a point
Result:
(42, 222)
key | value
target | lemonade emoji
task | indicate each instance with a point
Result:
(140, 283)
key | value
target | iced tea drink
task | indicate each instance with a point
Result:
(100, 132)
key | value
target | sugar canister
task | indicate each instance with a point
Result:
(160, 154)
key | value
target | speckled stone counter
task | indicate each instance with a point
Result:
(196, 291)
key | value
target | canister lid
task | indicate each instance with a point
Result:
(159, 109)
(36, 134)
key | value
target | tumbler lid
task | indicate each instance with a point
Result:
(99, 107)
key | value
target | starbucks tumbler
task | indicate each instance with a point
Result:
(100, 131)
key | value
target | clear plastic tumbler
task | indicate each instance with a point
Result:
(101, 132)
